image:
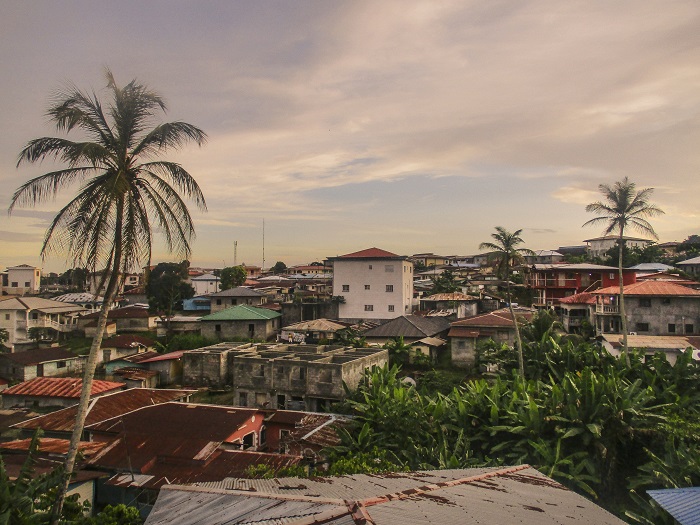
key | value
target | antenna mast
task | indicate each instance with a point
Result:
(235, 253)
(263, 263)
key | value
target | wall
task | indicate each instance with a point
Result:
(263, 329)
(679, 311)
(207, 368)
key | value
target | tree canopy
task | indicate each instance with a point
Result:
(166, 287)
(232, 276)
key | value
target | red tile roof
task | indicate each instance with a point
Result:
(496, 318)
(105, 407)
(370, 253)
(657, 288)
(579, 298)
(59, 387)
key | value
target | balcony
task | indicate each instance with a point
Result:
(607, 309)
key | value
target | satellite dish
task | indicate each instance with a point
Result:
(409, 381)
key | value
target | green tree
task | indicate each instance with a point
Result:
(279, 267)
(125, 190)
(444, 283)
(622, 209)
(4, 336)
(232, 276)
(166, 287)
(506, 254)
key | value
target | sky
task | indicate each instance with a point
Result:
(412, 126)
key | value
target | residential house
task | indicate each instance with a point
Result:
(206, 284)
(311, 331)
(431, 347)
(457, 303)
(178, 324)
(598, 246)
(373, 283)
(519, 494)
(651, 307)
(242, 321)
(53, 392)
(198, 303)
(234, 297)
(577, 311)
(136, 377)
(20, 314)
(672, 346)
(691, 266)
(498, 325)
(21, 280)
(39, 362)
(306, 269)
(135, 296)
(650, 268)
(429, 259)
(168, 366)
(90, 302)
(129, 361)
(411, 327)
(544, 257)
(127, 319)
(252, 271)
(124, 345)
(552, 282)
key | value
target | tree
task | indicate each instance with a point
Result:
(444, 283)
(506, 254)
(166, 288)
(125, 188)
(623, 208)
(279, 267)
(232, 276)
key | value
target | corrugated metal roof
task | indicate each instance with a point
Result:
(165, 357)
(496, 318)
(127, 341)
(488, 496)
(683, 504)
(410, 326)
(54, 446)
(40, 355)
(62, 387)
(238, 291)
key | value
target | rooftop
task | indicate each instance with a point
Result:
(238, 291)
(59, 387)
(242, 312)
(40, 355)
(370, 253)
(651, 288)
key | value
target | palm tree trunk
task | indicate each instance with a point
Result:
(518, 340)
(623, 316)
(88, 376)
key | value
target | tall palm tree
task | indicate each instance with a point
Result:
(125, 192)
(506, 255)
(623, 208)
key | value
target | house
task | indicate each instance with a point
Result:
(598, 246)
(430, 347)
(651, 307)
(60, 424)
(280, 375)
(306, 269)
(135, 296)
(127, 319)
(492, 495)
(234, 297)
(20, 314)
(458, 303)
(53, 392)
(206, 284)
(39, 362)
(691, 266)
(650, 268)
(373, 284)
(168, 366)
(497, 325)
(552, 282)
(577, 311)
(242, 321)
(136, 377)
(88, 301)
(130, 361)
(410, 327)
(21, 280)
(544, 257)
(124, 345)
(311, 331)
(671, 346)
(682, 504)
(198, 303)
(429, 259)
(179, 324)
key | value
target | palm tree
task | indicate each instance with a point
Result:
(124, 190)
(506, 254)
(623, 208)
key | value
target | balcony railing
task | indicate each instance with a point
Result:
(46, 323)
(607, 309)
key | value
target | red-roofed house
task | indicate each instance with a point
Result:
(497, 325)
(39, 362)
(127, 319)
(652, 308)
(374, 284)
(577, 310)
(53, 391)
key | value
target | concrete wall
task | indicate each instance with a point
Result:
(679, 311)
(296, 312)
(263, 329)
(221, 303)
(205, 368)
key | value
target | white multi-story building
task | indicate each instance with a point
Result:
(598, 246)
(374, 283)
(21, 280)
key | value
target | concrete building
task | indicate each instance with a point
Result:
(599, 245)
(691, 266)
(281, 376)
(234, 297)
(374, 284)
(21, 280)
(206, 284)
(241, 322)
(39, 362)
(20, 314)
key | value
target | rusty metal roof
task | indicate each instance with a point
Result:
(105, 407)
(60, 387)
(41, 355)
(489, 496)
(137, 358)
(651, 288)
(53, 446)
(127, 341)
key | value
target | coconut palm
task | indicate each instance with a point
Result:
(623, 208)
(125, 192)
(505, 255)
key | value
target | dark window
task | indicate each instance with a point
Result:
(645, 302)
(27, 284)
(234, 302)
(243, 399)
(14, 284)
(263, 435)
(251, 329)
(665, 300)
(346, 287)
(642, 327)
(249, 440)
(259, 370)
(391, 307)
(217, 327)
(218, 302)
(300, 373)
(367, 287)
(369, 308)
(671, 328)
(61, 364)
(7, 317)
(689, 329)
(389, 287)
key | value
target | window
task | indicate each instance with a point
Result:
(263, 435)
(369, 308)
(642, 327)
(391, 307)
(259, 370)
(346, 287)
(234, 302)
(645, 302)
(689, 329)
(389, 287)
(671, 328)
(27, 284)
(7, 317)
(665, 300)
(612, 275)
(61, 364)
(249, 440)
(370, 266)
(14, 284)
(217, 327)
(243, 399)
(218, 302)
(367, 287)
(389, 268)
(300, 373)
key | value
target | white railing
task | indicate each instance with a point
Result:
(607, 309)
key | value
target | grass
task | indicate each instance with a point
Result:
(216, 397)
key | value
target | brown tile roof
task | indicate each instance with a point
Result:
(59, 387)
(464, 332)
(54, 446)
(128, 312)
(657, 288)
(105, 407)
(135, 374)
(369, 253)
(579, 298)
(497, 318)
(40, 355)
(127, 341)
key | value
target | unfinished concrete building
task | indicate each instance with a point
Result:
(299, 377)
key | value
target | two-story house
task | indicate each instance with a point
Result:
(598, 246)
(21, 280)
(20, 314)
(373, 284)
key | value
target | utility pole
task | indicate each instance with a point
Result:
(263, 246)
(235, 253)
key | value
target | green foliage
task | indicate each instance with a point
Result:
(188, 342)
(374, 461)
(279, 267)
(4, 335)
(38, 333)
(399, 352)
(232, 276)
(444, 283)
(351, 337)
(166, 287)
(264, 471)
(116, 515)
